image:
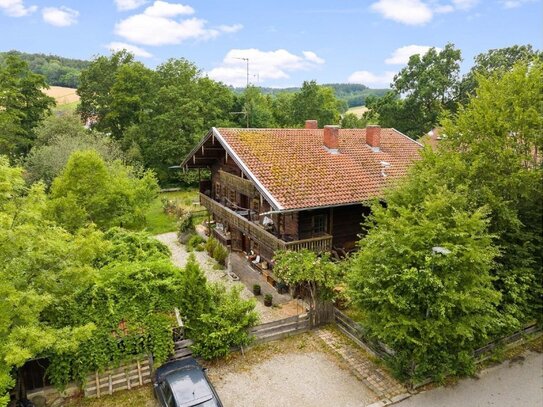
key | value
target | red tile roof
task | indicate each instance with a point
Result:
(299, 172)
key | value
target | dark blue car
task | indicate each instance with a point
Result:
(184, 383)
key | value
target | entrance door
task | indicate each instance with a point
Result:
(245, 244)
(237, 240)
(244, 201)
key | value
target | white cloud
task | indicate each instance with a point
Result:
(147, 30)
(401, 55)
(157, 26)
(137, 51)
(268, 65)
(370, 79)
(165, 9)
(311, 56)
(411, 12)
(16, 8)
(60, 16)
(420, 12)
(129, 4)
(230, 28)
(515, 3)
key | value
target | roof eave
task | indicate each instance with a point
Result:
(259, 186)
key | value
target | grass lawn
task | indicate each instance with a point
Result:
(158, 222)
(139, 397)
(66, 107)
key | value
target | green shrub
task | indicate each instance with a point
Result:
(210, 245)
(185, 228)
(220, 253)
(226, 325)
(194, 241)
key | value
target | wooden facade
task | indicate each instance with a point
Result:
(245, 220)
(294, 189)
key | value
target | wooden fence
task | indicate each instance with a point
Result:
(359, 335)
(483, 353)
(280, 329)
(124, 377)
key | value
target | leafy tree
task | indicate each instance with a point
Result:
(432, 309)
(282, 109)
(494, 60)
(195, 294)
(352, 121)
(57, 70)
(108, 196)
(498, 135)
(428, 85)
(57, 138)
(31, 276)
(114, 92)
(316, 102)
(226, 325)
(306, 268)
(22, 106)
(253, 109)
(185, 105)
(479, 196)
(157, 114)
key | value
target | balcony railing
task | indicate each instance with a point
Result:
(258, 233)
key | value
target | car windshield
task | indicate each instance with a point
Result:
(190, 387)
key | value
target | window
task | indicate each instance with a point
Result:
(319, 224)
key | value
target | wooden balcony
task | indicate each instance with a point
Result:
(259, 234)
(241, 185)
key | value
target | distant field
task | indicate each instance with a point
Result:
(63, 96)
(358, 110)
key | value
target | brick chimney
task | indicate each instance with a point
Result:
(373, 136)
(331, 137)
(311, 124)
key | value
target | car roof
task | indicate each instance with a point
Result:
(189, 385)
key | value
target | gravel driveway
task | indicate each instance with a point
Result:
(180, 257)
(311, 379)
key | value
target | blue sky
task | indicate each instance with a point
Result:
(286, 41)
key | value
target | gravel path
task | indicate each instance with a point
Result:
(180, 257)
(293, 379)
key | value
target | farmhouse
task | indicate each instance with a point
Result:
(277, 189)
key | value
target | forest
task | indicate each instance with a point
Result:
(75, 260)
(56, 70)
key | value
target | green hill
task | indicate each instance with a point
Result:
(58, 71)
(352, 93)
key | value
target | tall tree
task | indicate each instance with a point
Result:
(421, 91)
(495, 60)
(57, 138)
(184, 105)
(22, 106)
(316, 102)
(422, 278)
(114, 91)
(107, 195)
(157, 114)
(499, 136)
(253, 109)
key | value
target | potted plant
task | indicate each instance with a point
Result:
(268, 299)
(256, 289)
